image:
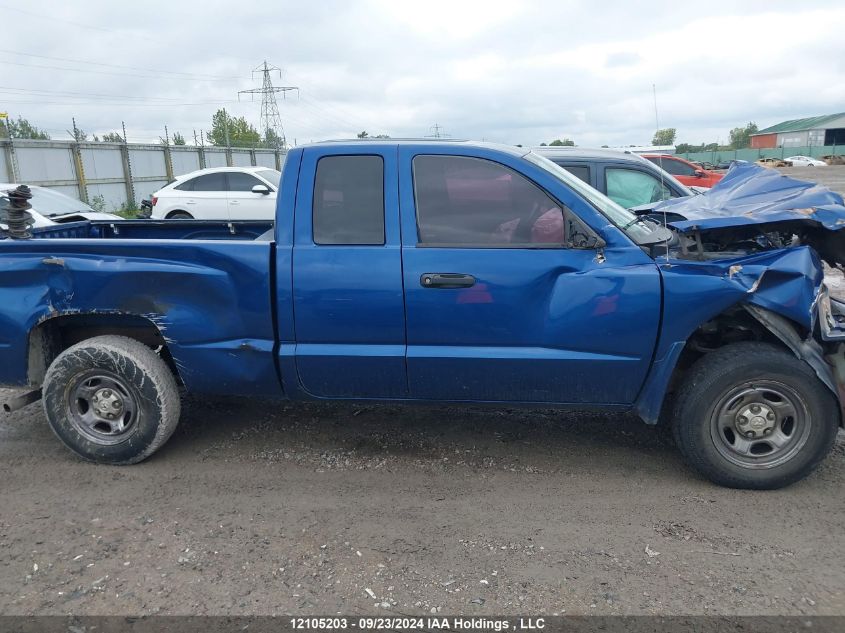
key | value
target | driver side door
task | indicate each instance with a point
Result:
(502, 305)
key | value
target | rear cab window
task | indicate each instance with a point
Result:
(348, 205)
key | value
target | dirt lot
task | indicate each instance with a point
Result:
(832, 176)
(262, 508)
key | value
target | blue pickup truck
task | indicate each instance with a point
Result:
(433, 271)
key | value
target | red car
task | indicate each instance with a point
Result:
(689, 174)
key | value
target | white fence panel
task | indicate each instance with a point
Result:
(184, 160)
(147, 163)
(111, 195)
(241, 158)
(38, 165)
(265, 159)
(102, 163)
(215, 158)
(147, 188)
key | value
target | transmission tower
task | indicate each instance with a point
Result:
(271, 121)
(436, 132)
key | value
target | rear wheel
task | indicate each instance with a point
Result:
(111, 399)
(751, 415)
(180, 215)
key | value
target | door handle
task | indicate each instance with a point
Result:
(192, 201)
(234, 201)
(446, 280)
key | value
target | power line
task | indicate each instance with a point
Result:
(65, 93)
(309, 90)
(149, 70)
(328, 113)
(55, 19)
(106, 72)
(107, 103)
(271, 120)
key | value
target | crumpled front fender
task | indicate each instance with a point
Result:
(779, 288)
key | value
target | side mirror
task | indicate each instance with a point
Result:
(699, 173)
(264, 190)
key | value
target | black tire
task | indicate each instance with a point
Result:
(715, 409)
(180, 215)
(111, 400)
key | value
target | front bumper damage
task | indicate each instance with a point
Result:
(831, 320)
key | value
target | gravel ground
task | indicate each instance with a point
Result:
(832, 176)
(263, 508)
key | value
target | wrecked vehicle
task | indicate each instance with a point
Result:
(435, 271)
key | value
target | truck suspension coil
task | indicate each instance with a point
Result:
(13, 212)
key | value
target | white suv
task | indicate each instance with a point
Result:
(220, 193)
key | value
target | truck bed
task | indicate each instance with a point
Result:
(204, 287)
(157, 230)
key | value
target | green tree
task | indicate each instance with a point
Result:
(272, 140)
(21, 128)
(567, 142)
(363, 134)
(178, 139)
(741, 136)
(241, 133)
(666, 136)
(111, 137)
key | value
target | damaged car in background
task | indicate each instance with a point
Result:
(445, 271)
(53, 207)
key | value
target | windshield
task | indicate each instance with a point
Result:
(52, 203)
(270, 175)
(622, 218)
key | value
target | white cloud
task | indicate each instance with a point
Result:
(505, 71)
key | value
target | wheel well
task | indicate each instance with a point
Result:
(52, 336)
(732, 326)
(170, 214)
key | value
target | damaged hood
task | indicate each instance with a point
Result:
(753, 195)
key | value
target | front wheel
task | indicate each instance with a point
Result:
(111, 399)
(751, 415)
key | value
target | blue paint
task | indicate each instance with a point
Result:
(588, 327)
(750, 194)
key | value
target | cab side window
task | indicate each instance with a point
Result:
(472, 202)
(582, 172)
(632, 188)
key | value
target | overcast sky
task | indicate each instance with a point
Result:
(513, 72)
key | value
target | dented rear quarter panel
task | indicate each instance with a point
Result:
(210, 299)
